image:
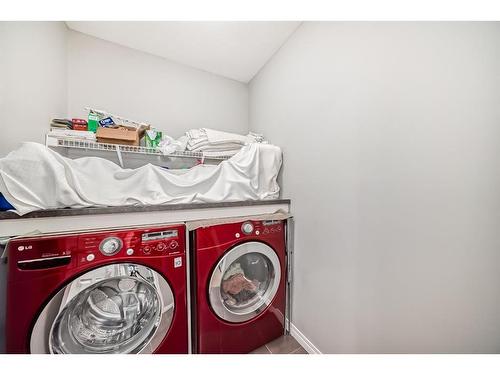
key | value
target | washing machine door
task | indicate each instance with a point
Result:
(244, 282)
(119, 308)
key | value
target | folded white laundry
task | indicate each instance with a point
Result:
(34, 177)
(73, 134)
(211, 140)
(219, 137)
(221, 147)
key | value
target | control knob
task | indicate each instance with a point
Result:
(247, 228)
(110, 246)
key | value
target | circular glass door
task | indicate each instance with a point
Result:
(244, 282)
(113, 309)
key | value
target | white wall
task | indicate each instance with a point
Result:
(32, 80)
(390, 134)
(172, 97)
(32, 92)
(48, 71)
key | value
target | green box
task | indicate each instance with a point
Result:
(93, 122)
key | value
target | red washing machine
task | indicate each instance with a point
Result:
(239, 277)
(118, 291)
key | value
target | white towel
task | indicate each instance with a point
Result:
(216, 137)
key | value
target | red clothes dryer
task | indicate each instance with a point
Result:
(239, 286)
(117, 291)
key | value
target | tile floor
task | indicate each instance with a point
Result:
(282, 345)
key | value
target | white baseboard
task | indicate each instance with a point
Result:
(303, 340)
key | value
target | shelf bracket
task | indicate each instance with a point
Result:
(119, 154)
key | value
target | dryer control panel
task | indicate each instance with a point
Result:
(247, 230)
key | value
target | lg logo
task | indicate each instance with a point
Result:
(22, 248)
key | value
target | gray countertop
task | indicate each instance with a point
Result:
(6, 215)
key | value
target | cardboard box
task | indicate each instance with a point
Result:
(120, 135)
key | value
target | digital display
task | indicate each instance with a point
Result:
(270, 222)
(154, 236)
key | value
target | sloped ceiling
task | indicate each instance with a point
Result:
(236, 50)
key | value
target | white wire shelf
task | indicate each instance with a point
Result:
(54, 141)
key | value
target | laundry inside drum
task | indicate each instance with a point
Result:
(117, 315)
(245, 282)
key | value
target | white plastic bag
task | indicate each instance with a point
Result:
(168, 145)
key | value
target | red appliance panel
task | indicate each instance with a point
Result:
(215, 335)
(29, 289)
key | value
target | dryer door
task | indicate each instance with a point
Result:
(119, 308)
(244, 282)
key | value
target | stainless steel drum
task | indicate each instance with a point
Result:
(113, 309)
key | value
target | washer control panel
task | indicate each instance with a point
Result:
(166, 241)
(82, 249)
(161, 241)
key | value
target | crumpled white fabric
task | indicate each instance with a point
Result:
(168, 145)
(34, 177)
